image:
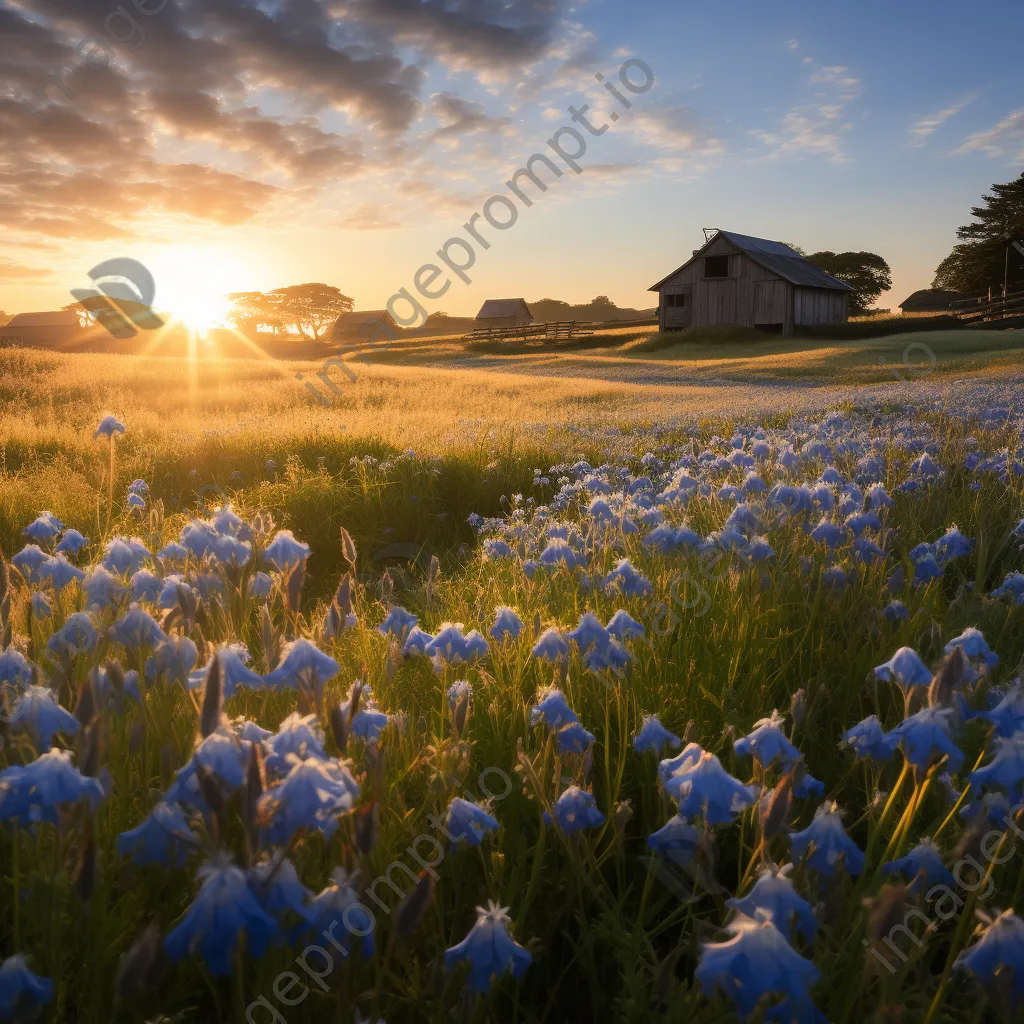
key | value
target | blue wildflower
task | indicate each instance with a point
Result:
(40, 605)
(71, 543)
(507, 624)
(923, 865)
(398, 622)
(21, 991)
(768, 743)
(38, 713)
(1006, 769)
(895, 611)
(459, 691)
(276, 885)
(337, 905)
(297, 734)
(574, 811)
(163, 838)
(552, 708)
(224, 909)
(468, 821)
(550, 646)
(706, 789)
(1001, 946)
(829, 534)
(495, 549)
(573, 739)
(974, 647)
(773, 891)
(1012, 586)
(868, 739)
(136, 629)
(28, 560)
(233, 671)
(173, 659)
(108, 427)
(285, 552)
(755, 962)
(124, 557)
(44, 528)
(416, 641)
(676, 839)
(622, 626)
(60, 572)
(146, 586)
(654, 736)
(924, 738)
(906, 668)
(102, 590)
(15, 669)
(312, 796)
(687, 758)
(825, 843)
(627, 580)
(35, 791)
(369, 721)
(489, 950)
(302, 662)
(77, 636)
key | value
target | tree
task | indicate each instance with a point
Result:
(978, 262)
(308, 309)
(865, 272)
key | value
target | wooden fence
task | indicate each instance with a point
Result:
(1002, 312)
(556, 330)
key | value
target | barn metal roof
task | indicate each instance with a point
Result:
(777, 257)
(56, 318)
(361, 316)
(501, 308)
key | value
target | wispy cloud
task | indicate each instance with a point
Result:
(369, 217)
(1005, 137)
(921, 130)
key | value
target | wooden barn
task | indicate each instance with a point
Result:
(504, 313)
(364, 323)
(931, 300)
(750, 282)
(42, 330)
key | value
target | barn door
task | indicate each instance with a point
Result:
(770, 304)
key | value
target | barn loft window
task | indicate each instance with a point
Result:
(716, 266)
(675, 301)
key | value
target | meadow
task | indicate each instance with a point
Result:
(547, 602)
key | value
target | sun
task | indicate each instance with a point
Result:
(193, 284)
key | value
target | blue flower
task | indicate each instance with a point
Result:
(829, 534)
(44, 527)
(450, 645)
(574, 811)
(589, 633)
(974, 647)
(906, 668)
(550, 646)
(224, 909)
(173, 659)
(338, 904)
(146, 586)
(301, 661)
(468, 821)
(622, 626)
(15, 669)
(706, 789)
(136, 629)
(102, 590)
(924, 738)
(21, 991)
(495, 548)
(1006, 769)
(895, 611)
(398, 622)
(1001, 945)
(296, 735)
(1012, 586)
(826, 844)
(233, 671)
(223, 755)
(926, 569)
(163, 838)
(77, 636)
(773, 891)
(416, 641)
(676, 839)
(768, 743)
(38, 713)
(369, 721)
(173, 552)
(755, 962)
(923, 864)
(654, 736)
(459, 690)
(108, 427)
(1007, 714)
(626, 579)
(28, 560)
(71, 543)
(35, 791)
(285, 552)
(952, 545)
(868, 739)
(124, 557)
(573, 739)
(489, 950)
(260, 585)
(552, 709)
(687, 758)
(276, 885)
(560, 551)
(507, 624)
(312, 796)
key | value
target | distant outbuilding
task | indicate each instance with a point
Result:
(931, 300)
(504, 313)
(741, 280)
(42, 330)
(365, 324)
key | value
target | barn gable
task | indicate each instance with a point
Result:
(504, 313)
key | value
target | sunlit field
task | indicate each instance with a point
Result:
(699, 659)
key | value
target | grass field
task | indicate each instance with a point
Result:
(428, 435)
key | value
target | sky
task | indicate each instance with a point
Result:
(236, 145)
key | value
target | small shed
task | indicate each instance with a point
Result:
(364, 323)
(42, 330)
(931, 300)
(504, 313)
(741, 280)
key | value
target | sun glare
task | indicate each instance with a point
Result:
(193, 284)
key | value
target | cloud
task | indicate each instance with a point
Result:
(17, 272)
(792, 44)
(368, 217)
(673, 128)
(1007, 136)
(462, 117)
(921, 129)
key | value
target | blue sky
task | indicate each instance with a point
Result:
(263, 162)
